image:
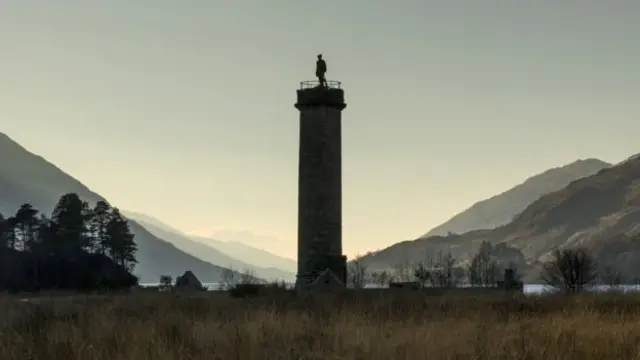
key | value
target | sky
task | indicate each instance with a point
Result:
(183, 110)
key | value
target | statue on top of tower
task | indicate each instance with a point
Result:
(321, 69)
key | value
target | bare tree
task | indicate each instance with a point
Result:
(357, 276)
(166, 282)
(248, 276)
(403, 271)
(460, 275)
(443, 271)
(570, 270)
(483, 270)
(381, 278)
(422, 274)
(611, 278)
(228, 279)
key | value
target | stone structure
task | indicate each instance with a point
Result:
(326, 282)
(320, 182)
(407, 285)
(188, 281)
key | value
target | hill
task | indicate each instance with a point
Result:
(249, 254)
(207, 253)
(502, 208)
(236, 249)
(600, 212)
(28, 178)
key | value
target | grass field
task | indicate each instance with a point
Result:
(367, 325)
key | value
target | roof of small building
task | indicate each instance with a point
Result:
(188, 279)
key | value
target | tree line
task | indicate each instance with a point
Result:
(568, 270)
(442, 270)
(76, 247)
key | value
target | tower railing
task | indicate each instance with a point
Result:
(311, 84)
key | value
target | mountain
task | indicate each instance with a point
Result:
(28, 178)
(249, 254)
(632, 157)
(600, 212)
(501, 209)
(149, 220)
(211, 253)
(233, 243)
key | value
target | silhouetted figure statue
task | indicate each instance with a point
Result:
(321, 68)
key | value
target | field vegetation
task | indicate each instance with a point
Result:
(358, 324)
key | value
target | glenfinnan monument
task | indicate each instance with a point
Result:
(320, 259)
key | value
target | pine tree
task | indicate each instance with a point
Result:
(47, 230)
(9, 232)
(4, 231)
(100, 216)
(119, 240)
(69, 217)
(26, 227)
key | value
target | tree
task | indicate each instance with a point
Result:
(443, 271)
(460, 274)
(119, 240)
(47, 230)
(8, 233)
(381, 278)
(248, 276)
(570, 270)
(166, 281)
(483, 269)
(228, 279)
(422, 274)
(357, 275)
(4, 232)
(25, 227)
(69, 216)
(611, 278)
(403, 271)
(98, 222)
(55, 253)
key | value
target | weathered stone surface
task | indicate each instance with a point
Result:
(321, 97)
(320, 184)
(327, 281)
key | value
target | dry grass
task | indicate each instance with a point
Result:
(366, 325)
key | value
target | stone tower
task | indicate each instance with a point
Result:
(320, 182)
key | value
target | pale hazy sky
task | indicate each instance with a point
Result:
(183, 110)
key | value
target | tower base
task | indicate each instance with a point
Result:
(327, 281)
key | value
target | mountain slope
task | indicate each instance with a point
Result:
(601, 212)
(235, 249)
(209, 253)
(25, 177)
(149, 220)
(501, 209)
(249, 254)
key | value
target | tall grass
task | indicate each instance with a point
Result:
(360, 325)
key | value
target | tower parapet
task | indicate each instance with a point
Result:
(312, 93)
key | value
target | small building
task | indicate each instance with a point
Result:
(188, 281)
(406, 285)
(327, 281)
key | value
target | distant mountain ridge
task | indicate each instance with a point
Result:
(600, 212)
(502, 208)
(208, 250)
(29, 178)
(248, 253)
